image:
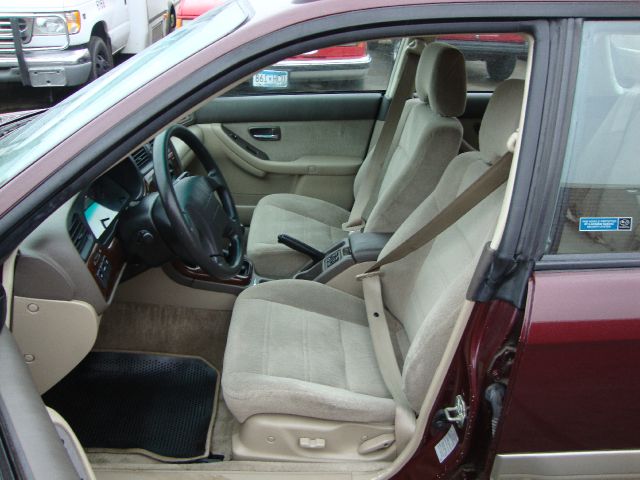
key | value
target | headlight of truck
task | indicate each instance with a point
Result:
(49, 26)
(57, 25)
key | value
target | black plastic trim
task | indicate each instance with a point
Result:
(502, 274)
(586, 261)
(541, 208)
(539, 166)
(290, 108)
(476, 104)
(384, 108)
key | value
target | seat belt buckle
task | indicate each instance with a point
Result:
(356, 225)
(362, 276)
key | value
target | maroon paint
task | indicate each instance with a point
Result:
(576, 383)
(489, 326)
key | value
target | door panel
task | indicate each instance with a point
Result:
(575, 387)
(342, 140)
(298, 107)
(320, 142)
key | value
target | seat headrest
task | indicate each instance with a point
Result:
(625, 56)
(441, 79)
(501, 119)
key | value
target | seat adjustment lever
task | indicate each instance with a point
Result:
(377, 443)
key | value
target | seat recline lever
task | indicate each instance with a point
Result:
(299, 246)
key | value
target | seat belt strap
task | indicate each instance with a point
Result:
(463, 203)
(404, 90)
(381, 336)
(405, 418)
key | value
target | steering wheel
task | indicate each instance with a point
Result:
(200, 208)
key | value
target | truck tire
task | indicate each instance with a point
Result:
(501, 68)
(101, 57)
(172, 21)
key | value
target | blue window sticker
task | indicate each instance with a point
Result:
(605, 224)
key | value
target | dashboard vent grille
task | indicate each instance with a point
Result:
(79, 234)
(142, 157)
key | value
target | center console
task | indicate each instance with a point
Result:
(324, 267)
(356, 248)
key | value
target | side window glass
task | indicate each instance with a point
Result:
(359, 66)
(599, 199)
(490, 58)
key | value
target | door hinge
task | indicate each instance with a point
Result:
(458, 413)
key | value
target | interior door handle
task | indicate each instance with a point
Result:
(266, 134)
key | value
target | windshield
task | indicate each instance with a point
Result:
(23, 147)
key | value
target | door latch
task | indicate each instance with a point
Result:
(458, 413)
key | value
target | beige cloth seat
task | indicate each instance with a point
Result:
(314, 221)
(298, 347)
(427, 138)
(301, 348)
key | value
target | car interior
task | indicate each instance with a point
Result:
(200, 306)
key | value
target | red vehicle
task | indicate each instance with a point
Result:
(189, 10)
(200, 282)
(340, 63)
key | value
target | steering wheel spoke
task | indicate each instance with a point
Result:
(200, 209)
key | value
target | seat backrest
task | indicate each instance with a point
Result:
(425, 291)
(427, 138)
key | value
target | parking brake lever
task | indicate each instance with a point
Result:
(299, 246)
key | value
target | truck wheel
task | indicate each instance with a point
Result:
(501, 68)
(171, 21)
(101, 58)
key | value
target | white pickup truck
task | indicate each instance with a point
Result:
(50, 43)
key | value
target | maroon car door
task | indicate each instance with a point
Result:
(572, 407)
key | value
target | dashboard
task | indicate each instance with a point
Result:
(92, 222)
(67, 270)
(82, 251)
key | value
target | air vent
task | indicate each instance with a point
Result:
(142, 157)
(80, 236)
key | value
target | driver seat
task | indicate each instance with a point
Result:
(426, 139)
(300, 372)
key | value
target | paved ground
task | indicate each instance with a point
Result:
(14, 97)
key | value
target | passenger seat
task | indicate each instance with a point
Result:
(300, 360)
(427, 138)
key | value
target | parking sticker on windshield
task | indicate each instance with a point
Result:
(445, 446)
(605, 224)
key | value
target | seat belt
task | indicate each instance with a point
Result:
(462, 204)
(404, 90)
(405, 418)
(372, 287)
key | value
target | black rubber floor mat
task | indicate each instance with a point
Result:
(160, 404)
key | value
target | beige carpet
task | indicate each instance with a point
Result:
(165, 329)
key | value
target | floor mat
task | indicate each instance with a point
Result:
(159, 405)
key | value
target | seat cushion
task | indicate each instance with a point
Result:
(302, 348)
(315, 222)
